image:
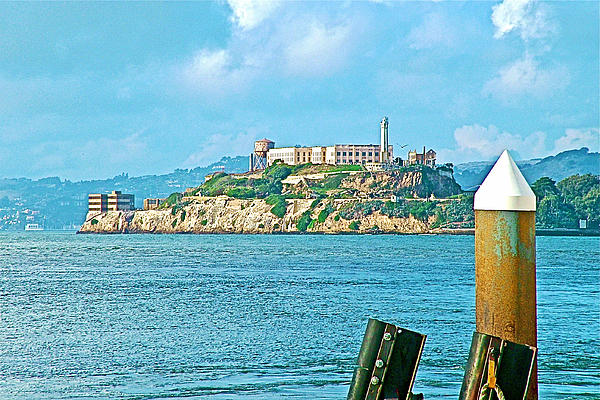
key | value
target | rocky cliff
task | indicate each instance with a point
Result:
(229, 215)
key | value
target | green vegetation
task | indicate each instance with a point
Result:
(204, 222)
(173, 199)
(304, 221)
(330, 182)
(174, 223)
(336, 218)
(94, 221)
(421, 210)
(457, 213)
(340, 168)
(360, 209)
(183, 215)
(562, 205)
(241, 193)
(354, 225)
(279, 204)
(261, 226)
(278, 171)
(559, 205)
(242, 187)
(392, 209)
(325, 213)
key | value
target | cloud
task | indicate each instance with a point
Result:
(476, 142)
(527, 17)
(526, 77)
(319, 51)
(214, 71)
(434, 31)
(301, 42)
(219, 145)
(248, 14)
(578, 138)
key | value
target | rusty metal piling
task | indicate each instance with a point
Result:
(505, 278)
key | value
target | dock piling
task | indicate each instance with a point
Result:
(505, 276)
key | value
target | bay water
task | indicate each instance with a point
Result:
(266, 316)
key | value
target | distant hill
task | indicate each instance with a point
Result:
(58, 204)
(470, 175)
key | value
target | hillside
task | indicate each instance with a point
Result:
(303, 198)
(59, 204)
(558, 167)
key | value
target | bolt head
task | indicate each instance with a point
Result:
(379, 363)
(399, 331)
(374, 380)
(387, 336)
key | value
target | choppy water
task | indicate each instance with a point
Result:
(265, 317)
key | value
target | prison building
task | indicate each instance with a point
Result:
(334, 155)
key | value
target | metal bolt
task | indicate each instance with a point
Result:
(399, 331)
(387, 336)
(374, 380)
(379, 363)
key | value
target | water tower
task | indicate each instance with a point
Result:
(258, 159)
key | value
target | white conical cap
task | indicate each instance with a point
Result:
(505, 188)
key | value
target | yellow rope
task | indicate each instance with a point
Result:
(486, 392)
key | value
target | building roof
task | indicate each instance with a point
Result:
(265, 140)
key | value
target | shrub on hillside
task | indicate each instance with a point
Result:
(241, 193)
(279, 204)
(325, 213)
(304, 221)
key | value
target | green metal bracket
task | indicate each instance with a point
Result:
(387, 363)
(514, 367)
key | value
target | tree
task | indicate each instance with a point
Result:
(544, 187)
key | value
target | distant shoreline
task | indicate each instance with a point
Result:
(446, 232)
(538, 232)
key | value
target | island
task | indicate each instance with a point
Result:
(305, 198)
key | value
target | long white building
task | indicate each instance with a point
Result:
(336, 154)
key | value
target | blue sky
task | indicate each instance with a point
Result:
(91, 90)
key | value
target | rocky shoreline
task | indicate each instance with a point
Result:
(228, 215)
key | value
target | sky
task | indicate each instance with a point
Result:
(89, 90)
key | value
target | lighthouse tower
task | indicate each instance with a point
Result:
(384, 155)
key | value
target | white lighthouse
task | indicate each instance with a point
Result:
(384, 154)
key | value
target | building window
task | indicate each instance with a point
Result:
(376, 154)
(364, 153)
(339, 153)
(370, 153)
(344, 153)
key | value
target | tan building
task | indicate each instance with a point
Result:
(113, 201)
(152, 204)
(97, 202)
(426, 158)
